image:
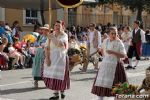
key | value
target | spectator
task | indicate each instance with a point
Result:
(126, 37)
(16, 55)
(16, 29)
(37, 25)
(3, 55)
(147, 36)
(2, 28)
(8, 33)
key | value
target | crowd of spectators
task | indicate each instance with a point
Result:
(17, 53)
(14, 53)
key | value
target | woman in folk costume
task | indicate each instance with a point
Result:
(37, 64)
(39, 56)
(126, 37)
(56, 71)
(111, 70)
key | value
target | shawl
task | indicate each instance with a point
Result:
(108, 66)
(58, 59)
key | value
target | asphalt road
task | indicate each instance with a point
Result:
(18, 84)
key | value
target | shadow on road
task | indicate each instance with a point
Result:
(13, 91)
(87, 72)
(40, 99)
(26, 77)
(83, 79)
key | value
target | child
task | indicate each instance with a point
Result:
(146, 83)
(15, 54)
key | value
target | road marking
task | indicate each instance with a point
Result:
(15, 83)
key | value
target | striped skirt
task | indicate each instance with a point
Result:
(3, 62)
(60, 85)
(120, 76)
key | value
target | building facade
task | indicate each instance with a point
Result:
(82, 16)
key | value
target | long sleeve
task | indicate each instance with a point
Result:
(143, 36)
(122, 48)
(14, 32)
(99, 40)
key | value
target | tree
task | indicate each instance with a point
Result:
(133, 5)
(136, 5)
(42, 11)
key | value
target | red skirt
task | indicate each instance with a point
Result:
(56, 84)
(3, 62)
(120, 77)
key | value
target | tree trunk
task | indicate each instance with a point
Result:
(139, 16)
(121, 9)
(42, 11)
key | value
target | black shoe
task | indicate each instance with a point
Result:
(129, 67)
(62, 96)
(54, 98)
(134, 67)
(22, 66)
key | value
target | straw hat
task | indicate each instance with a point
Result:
(46, 27)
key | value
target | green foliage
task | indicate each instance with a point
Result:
(133, 5)
(136, 5)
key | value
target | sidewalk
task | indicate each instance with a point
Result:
(5, 99)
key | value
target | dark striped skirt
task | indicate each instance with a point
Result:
(60, 85)
(3, 62)
(120, 77)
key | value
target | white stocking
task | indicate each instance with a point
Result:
(136, 63)
(0, 74)
(130, 62)
(56, 93)
(100, 98)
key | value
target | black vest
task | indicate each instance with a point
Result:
(136, 36)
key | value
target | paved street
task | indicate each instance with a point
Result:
(18, 84)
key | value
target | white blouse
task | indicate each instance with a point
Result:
(108, 66)
(116, 46)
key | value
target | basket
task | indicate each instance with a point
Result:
(75, 58)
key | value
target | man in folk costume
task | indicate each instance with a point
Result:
(138, 37)
(56, 71)
(111, 69)
(94, 45)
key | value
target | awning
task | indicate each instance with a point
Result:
(31, 4)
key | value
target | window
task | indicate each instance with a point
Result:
(72, 16)
(30, 16)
